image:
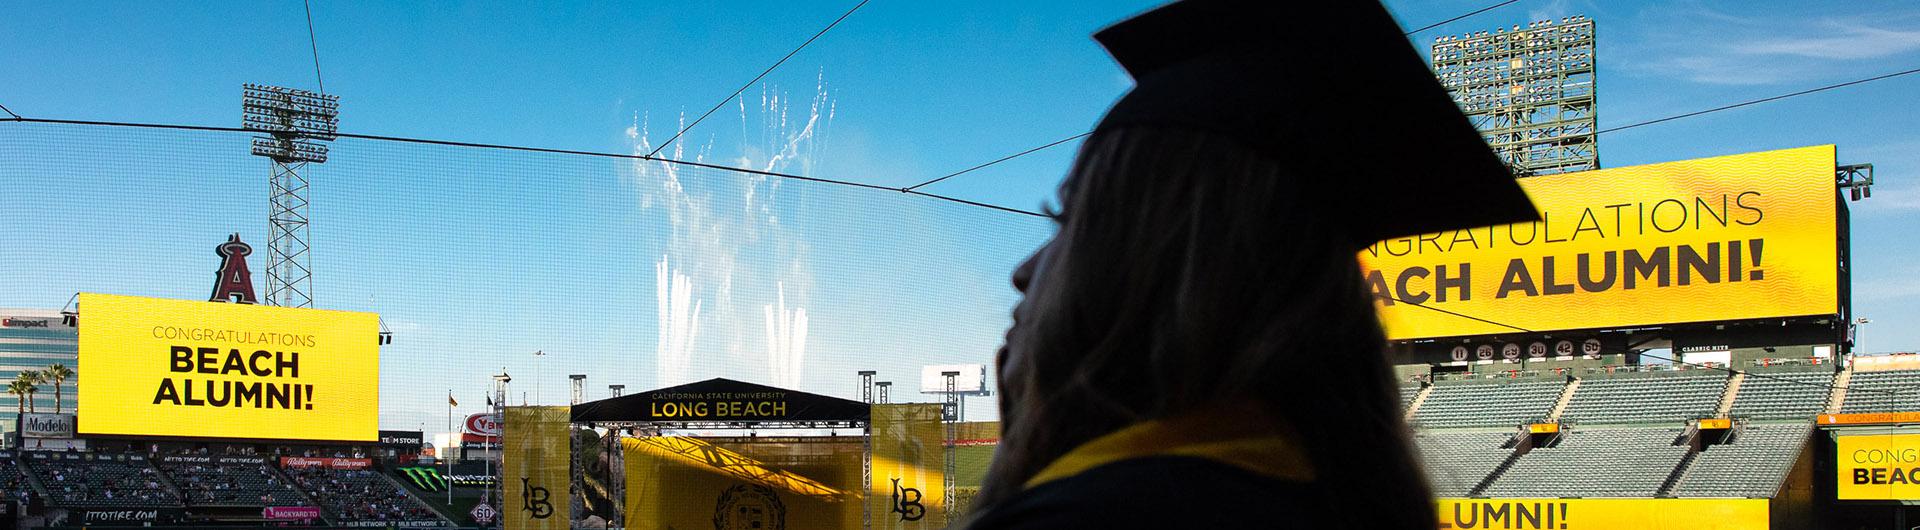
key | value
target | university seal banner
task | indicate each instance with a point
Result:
(535, 464)
(678, 482)
(1604, 514)
(221, 370)
(909, 466)
(1726, 238)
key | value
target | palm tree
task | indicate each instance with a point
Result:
(22, 389)
(34, 379)
(59, 374)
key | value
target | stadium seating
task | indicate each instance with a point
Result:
(359, 495)
(1753, 465)
(124, 482)
(1458, 461)
(1646, 397)
(13, 483)
(1782, 395)
(1627, 462)
(1886, 391)
(1488, 403)
(1407, 392)
(231, 484)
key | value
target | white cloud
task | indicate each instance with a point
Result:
(1848, 42)
(1891, 287)
(1705, 46)
(1901, 199)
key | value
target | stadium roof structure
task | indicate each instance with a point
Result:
(723, 403)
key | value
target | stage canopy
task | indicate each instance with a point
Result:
(723, 402)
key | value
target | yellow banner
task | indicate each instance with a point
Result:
(1604, 514)
(157, 367)
(1724, 238)
(683, 482)
(535, 466)
(909, 467)
(1859, 418)
(1877, 467)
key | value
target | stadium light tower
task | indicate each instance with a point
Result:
(1530, 91)
(295, 121)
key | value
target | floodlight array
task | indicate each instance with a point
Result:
(290, 112)
(290, 150)
(1529, 89)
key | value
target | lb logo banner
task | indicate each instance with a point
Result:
(909, 467)
(1726, 238)
(536, 468)
(210, 369)
(1881, 467)
(682, 482)
(1604, 514)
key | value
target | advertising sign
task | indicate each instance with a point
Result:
(536, 468)
(45, 425)
(972, 378)
(297, 462)
(484, 424)
(1596, 514)
(1880, 467)
(1714, 239)
(909, 467)
(220, 370)
(402, 439)
(290, 513)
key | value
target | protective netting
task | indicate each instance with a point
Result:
(630, 272)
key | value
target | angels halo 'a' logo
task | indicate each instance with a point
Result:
(749, 507)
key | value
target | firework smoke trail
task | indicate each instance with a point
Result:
(727, 250)
(786, 340)
(679, 314)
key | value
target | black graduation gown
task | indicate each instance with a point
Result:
(1158, 492)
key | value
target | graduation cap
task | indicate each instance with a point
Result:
(1332, 89)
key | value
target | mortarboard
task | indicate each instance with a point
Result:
(1332, 86)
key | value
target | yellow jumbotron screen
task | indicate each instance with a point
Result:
(157, 367)
(1880, 467)
(1726, 238)
(1603, 514)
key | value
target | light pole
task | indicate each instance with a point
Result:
(538, 356)
(294, 123)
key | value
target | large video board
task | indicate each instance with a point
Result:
(1714, 239)
(157, 367)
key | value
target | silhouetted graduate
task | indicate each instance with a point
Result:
(1195, 347)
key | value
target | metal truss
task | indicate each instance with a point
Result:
(289, 257)
(1529, 90)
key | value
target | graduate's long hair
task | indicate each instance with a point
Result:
(1193, 271)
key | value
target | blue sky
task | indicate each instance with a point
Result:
(478, 258)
